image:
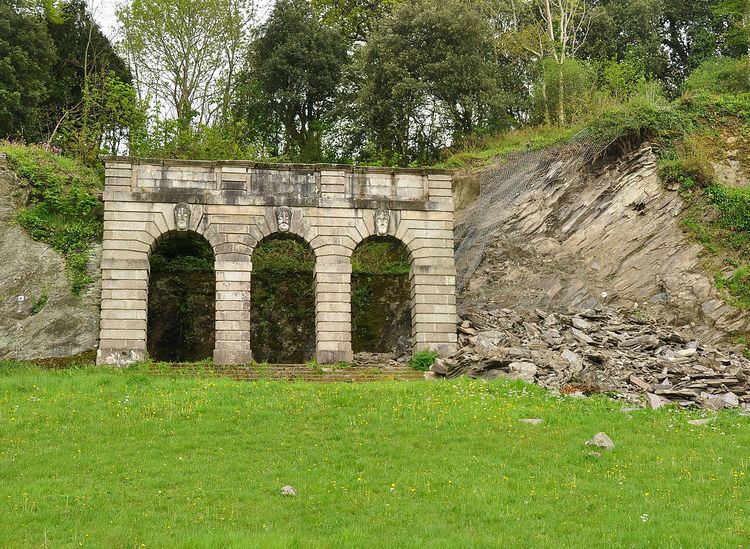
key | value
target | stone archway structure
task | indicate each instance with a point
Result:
(234, 205)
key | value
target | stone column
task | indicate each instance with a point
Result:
(433, 300)
(333, 306)
(233, 310)
(433, 271)
(125, 272)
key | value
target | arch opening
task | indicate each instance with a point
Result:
(381, 296)
(282, 294)
(181, 299)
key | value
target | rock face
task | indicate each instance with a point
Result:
(39, 316)
(557, 232)
(620, 353)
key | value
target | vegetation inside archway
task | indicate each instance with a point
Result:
(381, 301)
(182, 300)
(283, 301)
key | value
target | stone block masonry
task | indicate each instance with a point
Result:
(234, 205)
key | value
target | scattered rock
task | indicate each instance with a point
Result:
(523, 370)
(705, 421)
(532, 421)
(601, 440)
(599, 350)
(655, 401)
(581, 336)
(441, 366)
(288, 491)
(714, 403)
(635, 380)
(730, 400)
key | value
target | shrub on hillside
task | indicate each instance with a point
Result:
(63, 204)
(720, 75)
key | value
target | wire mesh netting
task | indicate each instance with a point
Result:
(506, 184)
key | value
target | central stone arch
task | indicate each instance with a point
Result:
(283, 300)
(181, 298)
(235, 205)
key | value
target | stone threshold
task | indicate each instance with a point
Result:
(290, 372)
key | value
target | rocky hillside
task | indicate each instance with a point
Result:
(40, 317)
(568, 233)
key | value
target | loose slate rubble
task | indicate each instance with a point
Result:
(599, 351)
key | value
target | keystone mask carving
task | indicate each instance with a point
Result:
(283, 219)
(382, 221)
(182, 216)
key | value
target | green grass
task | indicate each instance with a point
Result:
(102, 458)
(525, 139)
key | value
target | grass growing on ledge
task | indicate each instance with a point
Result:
(485, 150)
(117, 458)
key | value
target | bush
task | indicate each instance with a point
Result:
(381, 255)
(733, 206)
(63, 205)
(688, 165)
(423, 360)
(578, 84)
(720, 75)
(738, 285)
(646, 115)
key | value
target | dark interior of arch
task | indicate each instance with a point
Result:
(381, 297)
(282, 328)
(181, 300)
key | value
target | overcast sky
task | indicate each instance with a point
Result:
(104, 13)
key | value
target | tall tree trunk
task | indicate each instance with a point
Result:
(545, 100)
(560, 97)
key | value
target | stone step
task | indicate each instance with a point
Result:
(291, 372)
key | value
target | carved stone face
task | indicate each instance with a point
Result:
(182, 216)
(283, 219)
(382, 221)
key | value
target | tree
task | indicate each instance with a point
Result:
(557, 31)
(26, 57)
(355, 18)
(184, 53)
(738, 33)
(430, 78)
(669, 38)
(293, 75)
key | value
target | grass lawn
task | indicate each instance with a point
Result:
(102, 458)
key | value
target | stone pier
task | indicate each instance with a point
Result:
(234, 205)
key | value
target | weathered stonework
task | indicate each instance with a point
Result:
(234, 205)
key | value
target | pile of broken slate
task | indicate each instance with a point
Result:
(598, 351)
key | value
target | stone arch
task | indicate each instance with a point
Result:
(282, 295)
(266, 226)
(398, 229)
(381, 298)
(181, 302)
(163, 224)
(232, 206)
